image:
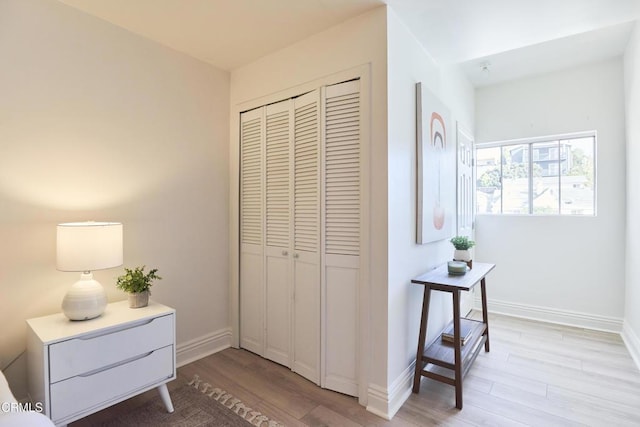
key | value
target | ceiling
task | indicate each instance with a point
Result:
(225, 33)
(519, 37)
(516, 38)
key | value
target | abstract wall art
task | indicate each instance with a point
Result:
(436, 169)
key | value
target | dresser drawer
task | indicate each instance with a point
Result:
(104, 387)
(82, 355)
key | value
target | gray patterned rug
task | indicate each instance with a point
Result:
(196, 404)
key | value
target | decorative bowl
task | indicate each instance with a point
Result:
(457, 267)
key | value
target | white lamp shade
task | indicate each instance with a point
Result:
(88, 246)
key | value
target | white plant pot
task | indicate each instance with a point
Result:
(462, 255)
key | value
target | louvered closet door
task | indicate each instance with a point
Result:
(341, 236)
(306, 236)
(251, 231)
(300, 233)
(278, 235)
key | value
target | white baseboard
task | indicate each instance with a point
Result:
(632, 342)
(385, 403)
(553, 315)
(378, 401)
(203, 346)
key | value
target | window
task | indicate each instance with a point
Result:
(538, 176)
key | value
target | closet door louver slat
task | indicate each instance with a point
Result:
(277, 176)
(306, 180)
(251, 182)
(342, 173)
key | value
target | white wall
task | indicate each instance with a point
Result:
(409, 63)
(631, 332)
(97, 123)
(356, 43)
(566, 269)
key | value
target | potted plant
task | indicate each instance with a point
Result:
(462, 244)
(136, 283)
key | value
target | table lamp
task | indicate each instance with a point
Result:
(84, 247)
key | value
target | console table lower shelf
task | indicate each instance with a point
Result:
(444, 361)
(438, 359)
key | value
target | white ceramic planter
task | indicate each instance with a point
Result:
(462, 255)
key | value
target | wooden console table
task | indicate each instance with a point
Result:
(451, 356)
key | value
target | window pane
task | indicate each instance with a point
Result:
(546, 184)
(488, 185)
(538, 177)
(515, 179)
(577, 177)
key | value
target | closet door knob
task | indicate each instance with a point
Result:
(296, 255)
(285, 253)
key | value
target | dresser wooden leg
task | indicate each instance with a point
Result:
(166, 399)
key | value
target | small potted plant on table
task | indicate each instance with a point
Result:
(136, 283)
(462, 244)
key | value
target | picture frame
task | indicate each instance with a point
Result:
(436, 168)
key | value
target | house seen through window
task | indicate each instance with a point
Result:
(538, 176)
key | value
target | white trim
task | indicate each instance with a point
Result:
(547, 138)
(401, 388)
(632, 342)
(378, 401)
(553, 315)
(364, 286)
(385, 403)
(203, 346)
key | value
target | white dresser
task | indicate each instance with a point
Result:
(76, 368)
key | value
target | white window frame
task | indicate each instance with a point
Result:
(528, 143)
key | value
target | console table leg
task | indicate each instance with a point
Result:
(457, 348)
(166, 399)
(485, 314)
(422, 338)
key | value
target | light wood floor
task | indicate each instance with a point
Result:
(536, 374)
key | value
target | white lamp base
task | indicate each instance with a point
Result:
(85, 300)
